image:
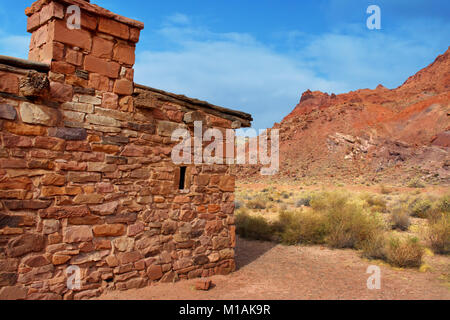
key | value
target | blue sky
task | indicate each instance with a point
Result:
(259, 56)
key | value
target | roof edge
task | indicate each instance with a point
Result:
(24, 64)
(200, 103)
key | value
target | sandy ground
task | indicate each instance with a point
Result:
(269, 271)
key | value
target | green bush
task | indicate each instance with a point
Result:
(405, 253)
(444, 204)
(285, 195)
(420, 208)
(376, 203)
(348, 224)
(374, 247)
(250, 227)
(400, 218)
(301, 227)
(416, 183)
(306, 201)
(257, 203)
(439, 234)
(385, 190)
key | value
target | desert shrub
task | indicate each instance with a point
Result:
(439, 234)
(250, 227)
(416, 183)
(405, 253)
(374, 247)
(237, 205)
(444, 204)
(420, 208)
(257, 203)
(301, 227)
(400, 218)
(385, 190)
(322, 201)
(376, 203)
(305, 201)
(348, 224)
(285, 195)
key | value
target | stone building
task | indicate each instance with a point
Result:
(87, 183)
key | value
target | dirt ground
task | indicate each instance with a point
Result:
(269, 271)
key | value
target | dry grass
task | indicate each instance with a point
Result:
(404, 253)
(342, 219)
(400, 218)
(302, 226)
(252, 227)
(439, 234)
(347, 222)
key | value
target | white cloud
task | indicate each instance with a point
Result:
(233, 70)
(363, 59)
(178, 18)
(237, 71)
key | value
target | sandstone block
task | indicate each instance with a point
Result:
(166, 128)
(124, 244)
(105, 209)
(102, 48)
(124, 54)
(13, 293)
(24, 129)
(109, 230)
(7, 112)
(123, 87)
(71, 134)
(83, 177)
(154, 272)
(25, 244)
(61, 92)
(101, 167)
(227, 183)
(75, 38)
(50, 143)
(59, 259)
(129, 257)
(99, 82)
(9, 83)
(110, 100)
(102, 67)
(102, 120)
(77, 234)
(50, 226)
(90, 198)
(114, 28)
(62, 67)
(87, 99)
(64, 212)
(8, 278)
(220, 243)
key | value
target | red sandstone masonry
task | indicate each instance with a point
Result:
(86, 178)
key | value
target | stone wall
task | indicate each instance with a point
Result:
(86, 176)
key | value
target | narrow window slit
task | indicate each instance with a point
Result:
(182, 178)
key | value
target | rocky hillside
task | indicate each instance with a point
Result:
(378, 135)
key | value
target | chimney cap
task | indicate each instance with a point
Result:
(88, 7)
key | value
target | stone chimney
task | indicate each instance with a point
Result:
(92, 50)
